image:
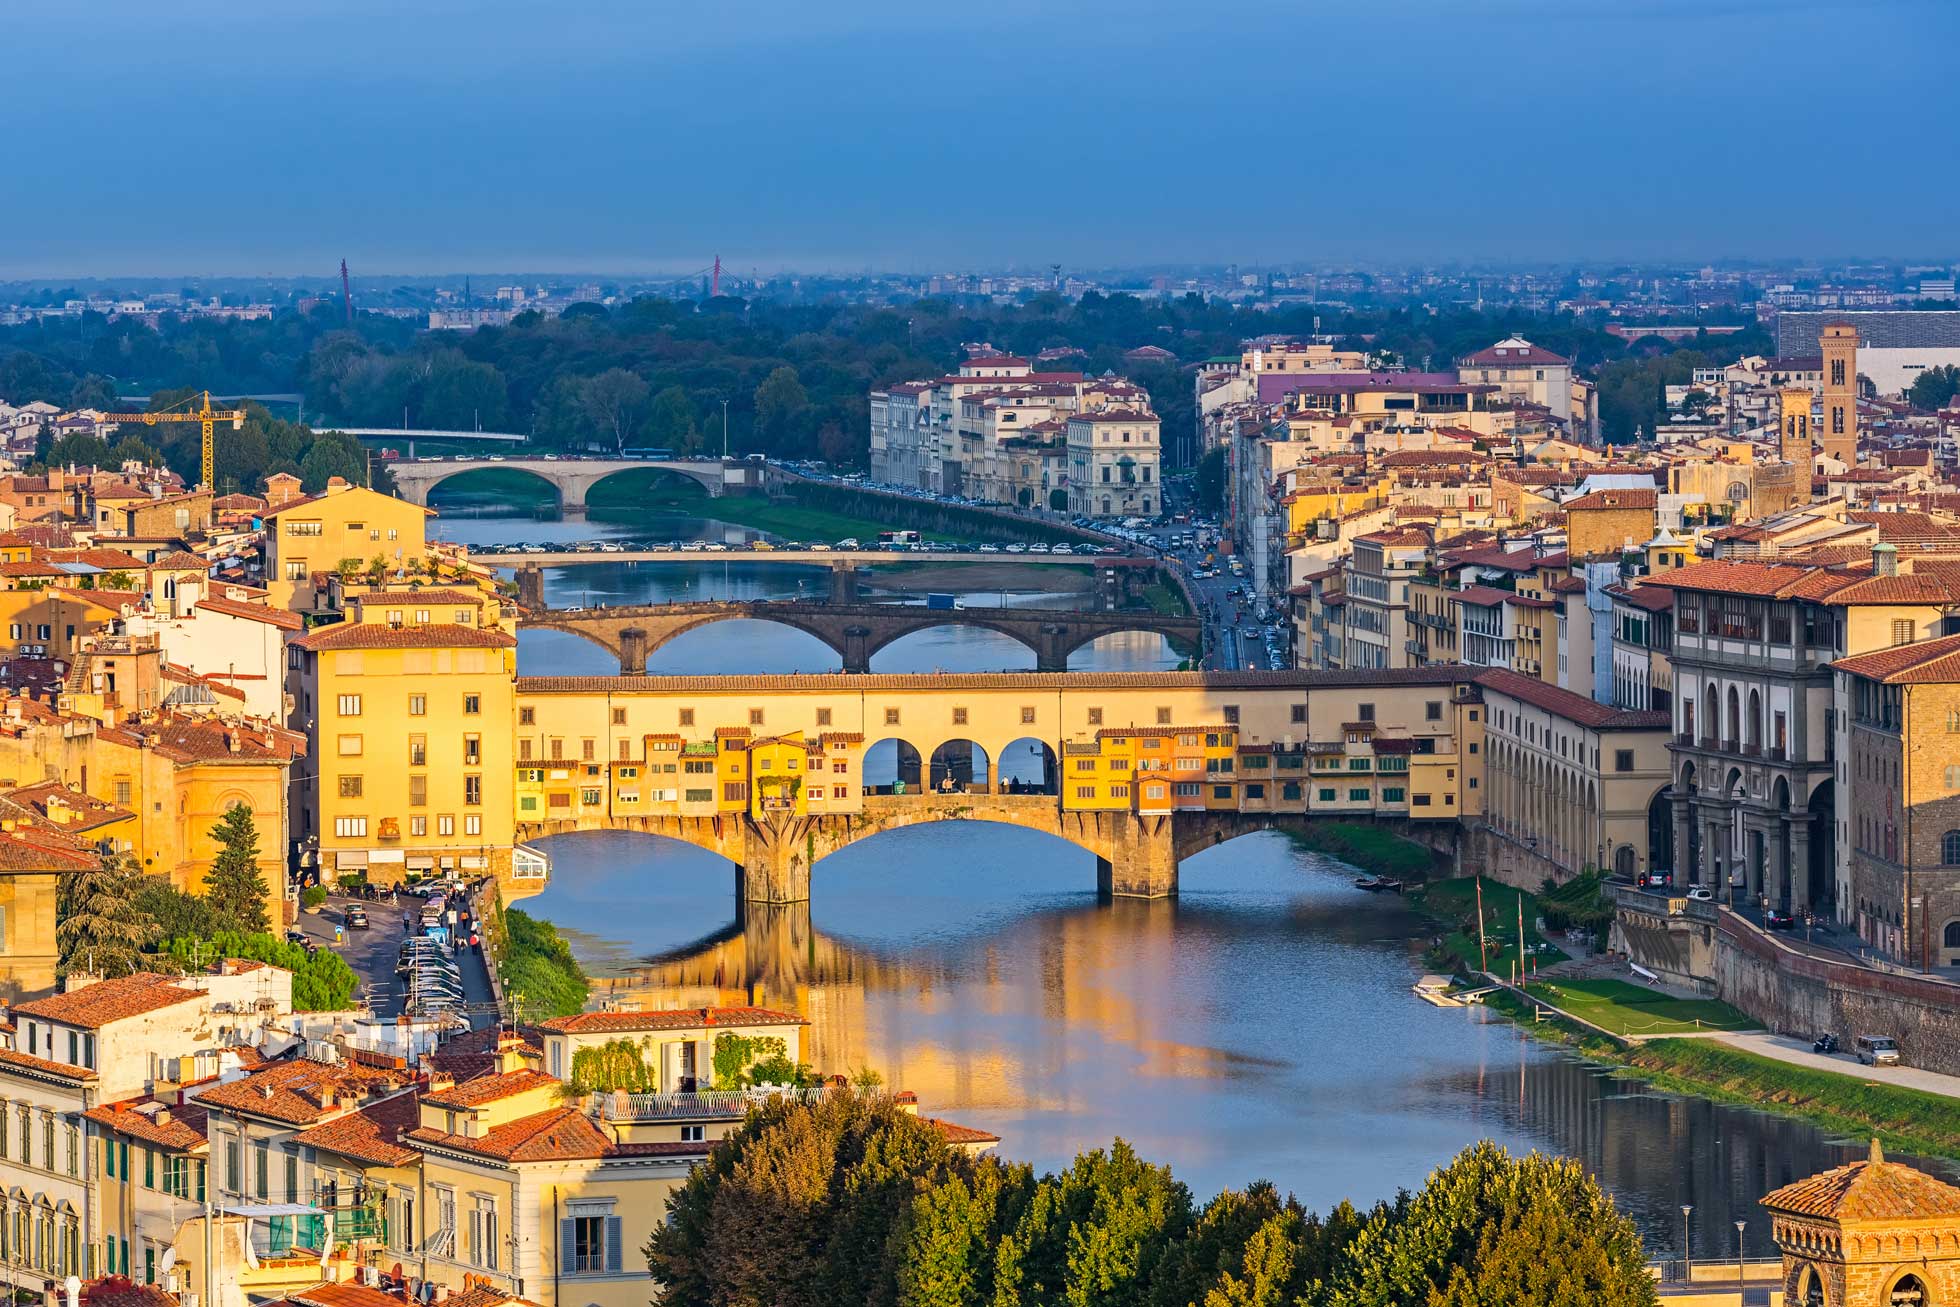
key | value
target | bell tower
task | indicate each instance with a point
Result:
(1839, 432)
(1794, 442)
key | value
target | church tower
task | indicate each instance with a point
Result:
(1839, 433)
(1795, 440)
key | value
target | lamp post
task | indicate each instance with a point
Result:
(1686, 1208)
(1740, 1226)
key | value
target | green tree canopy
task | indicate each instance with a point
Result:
(234, 884)
(1934, 388)
(102, 926)
(670, 422)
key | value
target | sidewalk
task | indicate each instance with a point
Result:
(1797, 1053)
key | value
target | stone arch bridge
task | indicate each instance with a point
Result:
(1137, 855)
(856, 631)
(573, 478)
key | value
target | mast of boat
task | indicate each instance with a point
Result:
(1521, 937)
(1483, 949)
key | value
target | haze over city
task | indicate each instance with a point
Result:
(1146, 655)
(615, 137)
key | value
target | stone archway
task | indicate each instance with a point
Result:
(959, 766)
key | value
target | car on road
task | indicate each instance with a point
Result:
(1779, 920)
(1702, 894)
(1877, 1050)
(357, 917)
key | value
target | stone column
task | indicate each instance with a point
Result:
(857, 649)
(843, 583)
(530, 586)
(1051, 654)
(1685, 872)
(1142, 857)
(1796, 850)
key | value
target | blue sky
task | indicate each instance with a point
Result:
(624, 135)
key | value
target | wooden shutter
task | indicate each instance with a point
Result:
(613, 1239)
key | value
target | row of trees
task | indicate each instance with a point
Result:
(657, 372)
(853, 1200)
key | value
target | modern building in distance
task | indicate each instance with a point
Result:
(1895, 345)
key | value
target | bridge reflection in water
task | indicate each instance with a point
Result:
(1261, 1024)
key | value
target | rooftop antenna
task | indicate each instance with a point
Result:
(346, 293)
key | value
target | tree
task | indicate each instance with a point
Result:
(235, 885)
(1934, 388)
(612, 401)
(780, 402)
(1491, 1228)
(670, 422)
(79, 449)
(129, 449)
(103, 927)
(44, 443)
(1094, 1235)
(328, 458)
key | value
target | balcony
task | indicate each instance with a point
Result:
(1686, 739)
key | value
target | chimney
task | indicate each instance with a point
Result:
(336, 483)
(1885, 560)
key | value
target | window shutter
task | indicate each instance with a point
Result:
(149, 1168)
(613, 1237)
(567, 1247)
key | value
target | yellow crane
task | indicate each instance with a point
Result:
(203, 413)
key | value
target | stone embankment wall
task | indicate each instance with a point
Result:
(1672, 937)
(1798, 993)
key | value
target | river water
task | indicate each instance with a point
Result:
(1260, 1025)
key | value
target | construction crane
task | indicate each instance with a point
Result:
(203, 413)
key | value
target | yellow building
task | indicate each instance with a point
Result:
(343, 523)
(411, 726)
(1839, 432)
(1607, 523)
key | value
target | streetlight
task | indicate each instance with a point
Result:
(1740, 1226)
(1686, 1208)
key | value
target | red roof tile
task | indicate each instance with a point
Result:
(1872, 1190)
(370, 1135)
(94, 1006)
(670, 1019)
(379, 635)
(1572, 707)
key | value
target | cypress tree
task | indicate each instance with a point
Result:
(235, 886)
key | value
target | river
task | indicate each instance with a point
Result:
(1260, 1025)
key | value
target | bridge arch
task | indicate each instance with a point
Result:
(572, 478)
(457, 477)
(960, 765)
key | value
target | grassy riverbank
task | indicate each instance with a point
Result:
(1907, 1119)
(1453, 904)
(1370, 848)
(1626, 1009)
(657, 493)
(541, 977)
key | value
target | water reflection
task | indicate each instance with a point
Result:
(1261, 1024)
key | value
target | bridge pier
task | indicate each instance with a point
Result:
(776, 857)
(843, 583)
(530, 586)
(856, 649)
(1051, 649)
(633, 652)
(1138, 857)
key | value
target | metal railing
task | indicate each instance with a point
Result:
(709, 1103)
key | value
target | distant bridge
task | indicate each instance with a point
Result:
(572, 478)
(855, 631)
(1121, 581)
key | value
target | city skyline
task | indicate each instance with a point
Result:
(468, 136)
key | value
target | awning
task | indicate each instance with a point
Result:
(385, 855)
(351, 861)
(421, 862)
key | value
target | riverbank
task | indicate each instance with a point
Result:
(969, 577)
(788, 520)
(541, 977)
(1907, 1119)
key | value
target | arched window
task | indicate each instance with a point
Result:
(1908, 1292)
(1950, 848)
(1623, 858)
(1734, 737)
(1810, 1290)
(1952, 936)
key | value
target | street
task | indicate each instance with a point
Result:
(372, 953)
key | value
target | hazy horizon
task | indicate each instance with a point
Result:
(207, 139)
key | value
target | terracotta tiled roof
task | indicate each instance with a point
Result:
(176, 1127)
(489, 1089)
(1484, 596)
(1644, 596)
(278, 617)
(1871, 1190)
(379, 635)
(1930, 661)
(560, 1134)
(370, 1135)
(66, 1070)
(346, 1293)
(94, 1006)
(1611, 499)
(687, 1018)
(121, 1291)
(299, 1091)
(1572, 707)
(954, 1133)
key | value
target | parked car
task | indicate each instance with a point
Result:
(1877, 1050)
